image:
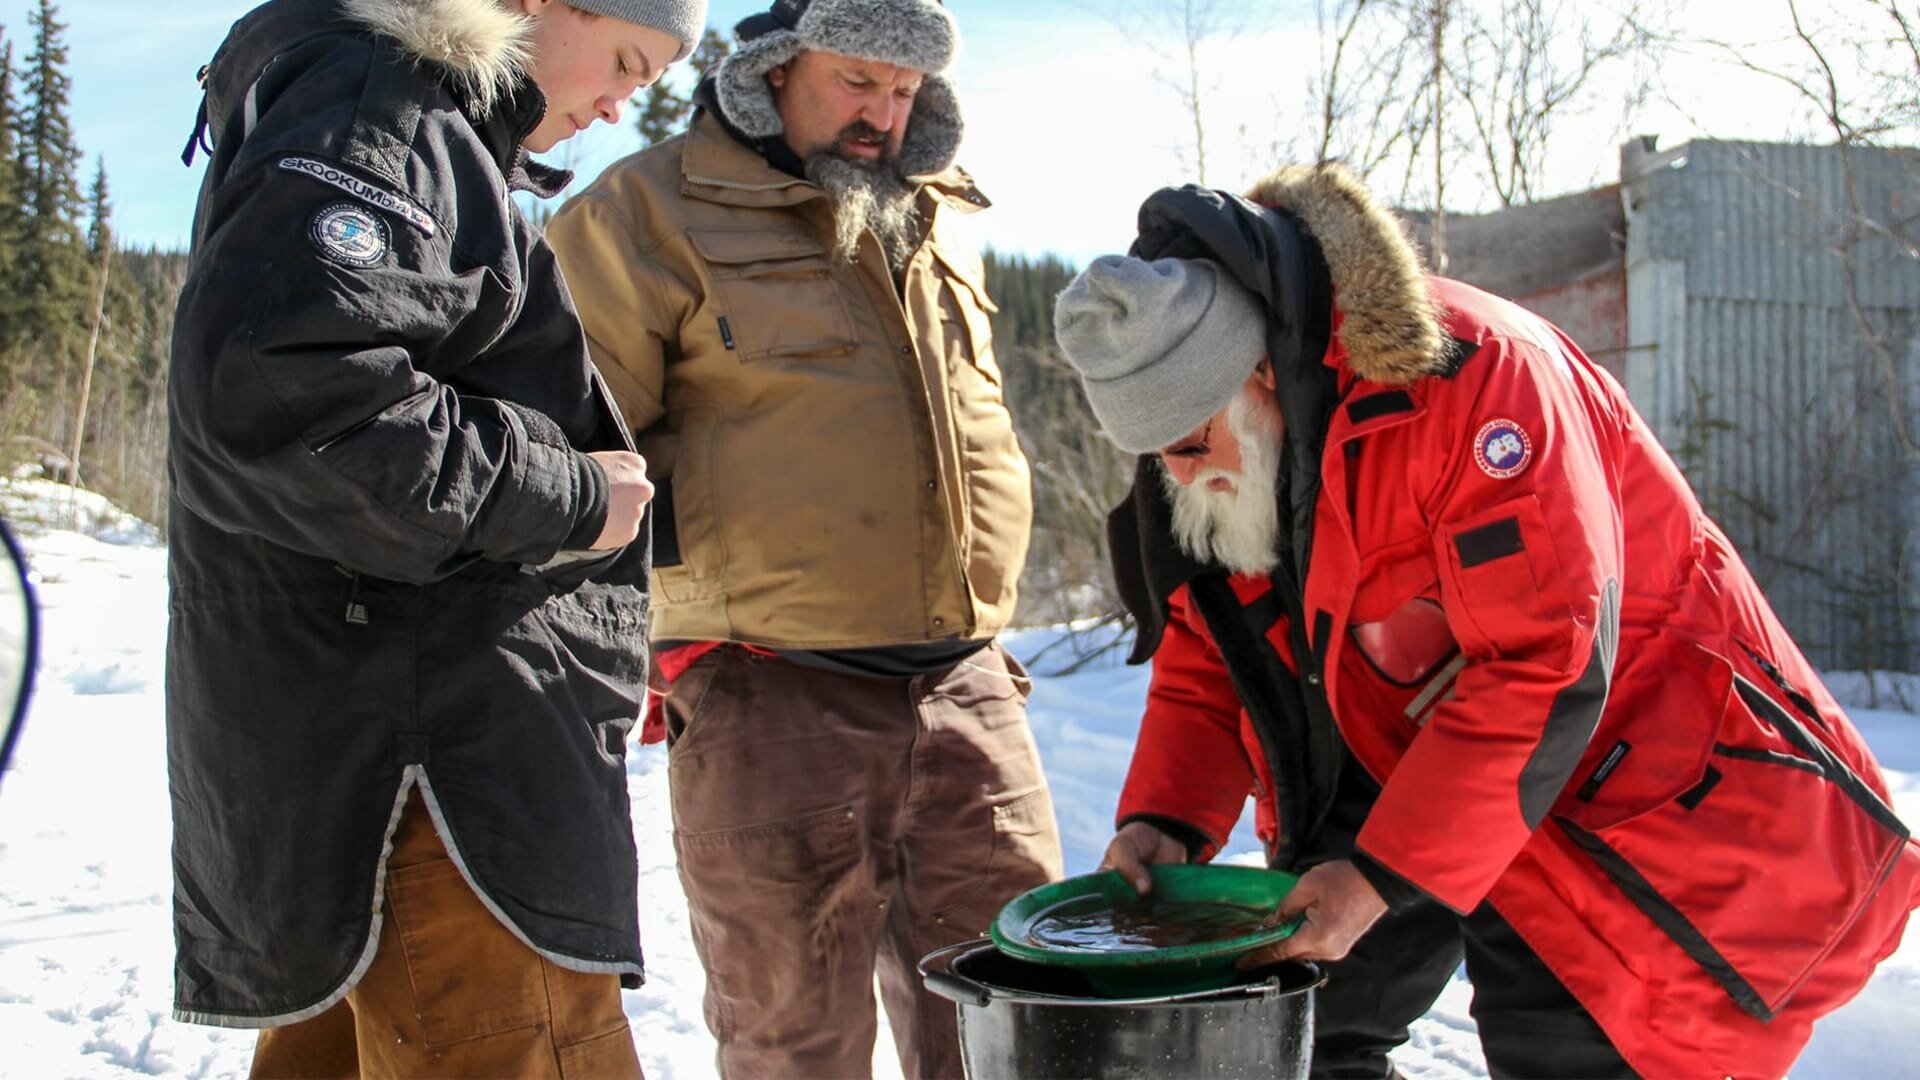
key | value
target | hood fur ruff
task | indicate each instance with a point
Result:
(1390, 326)
(909, 33)
(480, 43)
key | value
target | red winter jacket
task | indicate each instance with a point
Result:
(1576, 699)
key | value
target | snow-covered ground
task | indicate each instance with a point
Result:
(85, 938)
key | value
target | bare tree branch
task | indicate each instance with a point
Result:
(1362, 103)
(1828, 96)
(1176, 32)
(1505, 71)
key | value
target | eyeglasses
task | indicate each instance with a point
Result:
(1200, 448)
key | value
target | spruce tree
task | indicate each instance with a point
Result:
(48, 150)
(124, 300)
(52, 267)
(99, 215)
(103, 246)
(660, 114)
(663, 110)
(10, 215)
(9, 125)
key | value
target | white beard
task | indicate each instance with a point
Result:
(1238, 528)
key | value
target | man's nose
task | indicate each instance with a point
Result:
(881, 113)
(610, 108)
(1183, 468)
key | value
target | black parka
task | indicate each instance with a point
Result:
(380, 401)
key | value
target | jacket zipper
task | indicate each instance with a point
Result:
(356, 614)
(946, 503)
(1800, 701)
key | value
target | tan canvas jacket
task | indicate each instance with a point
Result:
(840, 463)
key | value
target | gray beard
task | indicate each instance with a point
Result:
(1238, 529)
(868, 196)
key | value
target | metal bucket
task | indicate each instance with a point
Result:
(1019, 1019)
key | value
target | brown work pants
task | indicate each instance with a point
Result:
(452, 992)
(831, 826)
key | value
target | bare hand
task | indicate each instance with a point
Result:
(628, 492)
(1137, 846)
(1340, 905)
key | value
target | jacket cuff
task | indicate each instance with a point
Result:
(1200, 847)
(595, 493)
(1399, 893)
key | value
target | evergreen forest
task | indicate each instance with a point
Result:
(84, 320)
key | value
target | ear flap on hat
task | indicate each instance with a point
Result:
(741, 81)
(933, 130)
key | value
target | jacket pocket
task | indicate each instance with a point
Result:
(1500, 580)
(446, 937)
(994, 860)
(774, 904)
(683, 701)
(1755, 849)
(776, 293)
(966, 314)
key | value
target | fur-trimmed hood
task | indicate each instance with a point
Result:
(1390, 326)
(481, 44)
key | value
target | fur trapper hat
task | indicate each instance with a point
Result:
(917, 34)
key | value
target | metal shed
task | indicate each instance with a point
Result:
(1772, 294)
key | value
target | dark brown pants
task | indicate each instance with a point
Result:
(832, 827)
(452, 992)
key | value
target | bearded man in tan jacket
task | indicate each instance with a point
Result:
(802, 348)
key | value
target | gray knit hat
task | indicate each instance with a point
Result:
(684, 19)
(917, 34)
(1160, 346)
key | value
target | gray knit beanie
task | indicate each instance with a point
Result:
(917, 34)
(1160, 346)
(684, 19)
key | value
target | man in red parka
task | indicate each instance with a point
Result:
(1413, 573)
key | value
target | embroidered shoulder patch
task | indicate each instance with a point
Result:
(349, 235)
(1502, 449)
(373, 195)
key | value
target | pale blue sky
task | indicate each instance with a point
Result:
(1068, 126)
(133, 64)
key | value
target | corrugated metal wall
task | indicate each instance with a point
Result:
(1774, 354)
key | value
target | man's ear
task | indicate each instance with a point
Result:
(1263, 372)
(777, 77)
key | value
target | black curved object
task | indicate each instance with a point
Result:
(30, 647)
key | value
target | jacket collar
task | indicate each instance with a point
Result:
(717, 167)
(1388, 323)
(504, 131)
(480, 45)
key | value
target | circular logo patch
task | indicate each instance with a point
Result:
(1502, 449)
(349, 235)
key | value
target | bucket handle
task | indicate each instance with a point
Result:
(956, 989)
